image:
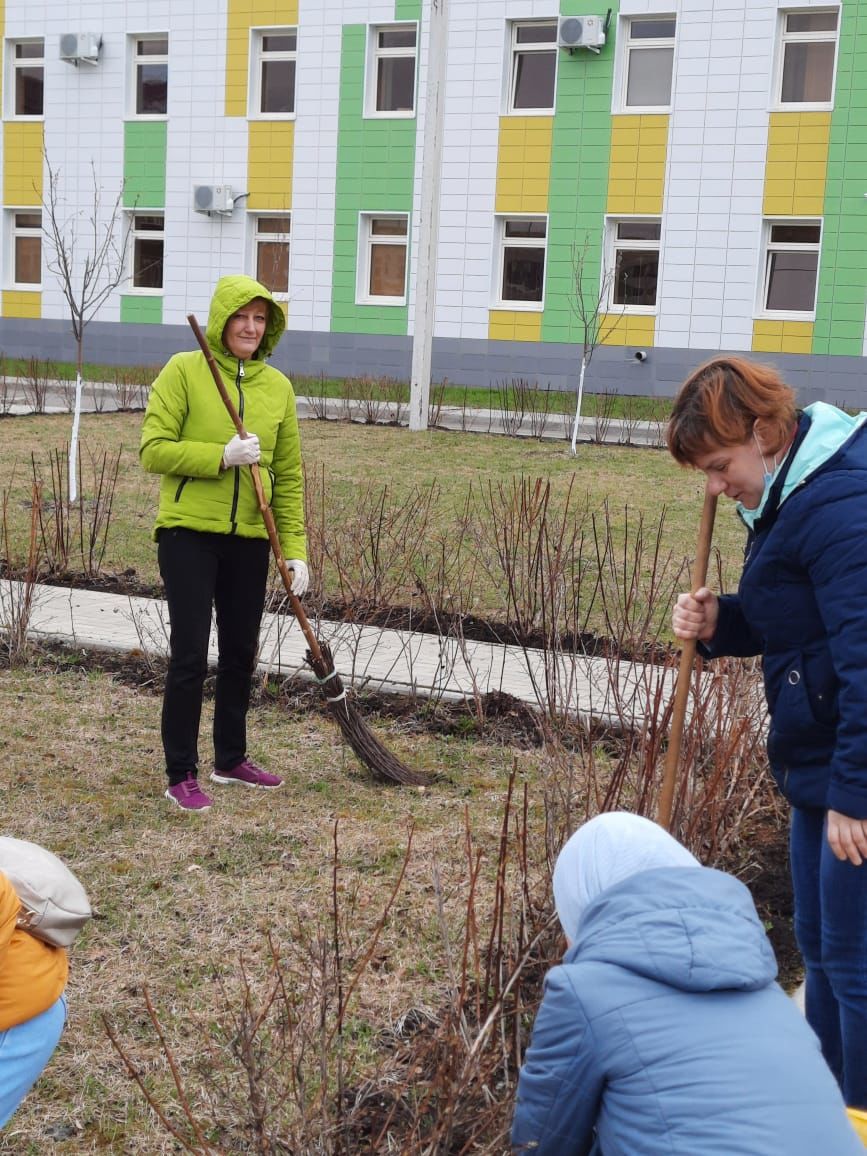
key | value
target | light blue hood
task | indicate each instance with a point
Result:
(696, 930)
(830, 428)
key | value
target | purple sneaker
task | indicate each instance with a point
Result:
(188, 795)
(248, 775)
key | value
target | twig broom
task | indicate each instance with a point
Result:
(370, 751)
(684, 672)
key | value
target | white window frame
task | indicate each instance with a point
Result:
(609, 269)
(366, 238)
(516, 50)
(504, 242)
(769, 247)
(784, 38)
(627, 44)
(151, 235)
(375, 53)
(135, 60)
(255, 216)
(13, 63)
(258, 58)
(13, 231)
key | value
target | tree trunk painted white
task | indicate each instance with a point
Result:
(428, 228)
(578, 406)
(73, 441)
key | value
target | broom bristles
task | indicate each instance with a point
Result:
(364, 743)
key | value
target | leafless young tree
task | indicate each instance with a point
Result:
(86, 251)
(589, 304)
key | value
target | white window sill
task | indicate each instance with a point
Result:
(134, 291)
(632, 310)
(519, 306)
(372, 114)
(256, 116)
(530, 111)
(643, 110)
(380, 301)
(156, 117)
(804, 106)
(13, 119)
(784, 315)
(27, 288)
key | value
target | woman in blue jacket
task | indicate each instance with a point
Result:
(800, 483)
(663, 1031)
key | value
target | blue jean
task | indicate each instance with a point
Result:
(831, 929)
(24, 1052)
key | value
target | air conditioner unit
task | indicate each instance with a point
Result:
(581, 32)
(80, 47)
(213, 198)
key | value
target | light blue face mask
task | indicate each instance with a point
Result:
(752, 516)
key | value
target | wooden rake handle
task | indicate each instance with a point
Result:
(684, 672)
(265, 509)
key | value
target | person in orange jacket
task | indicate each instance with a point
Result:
(32, 1005)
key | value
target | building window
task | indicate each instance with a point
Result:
(150, 75)
(808, 47)
(648, 62)
(27, 61)
(391, 71)
(521, 274)
(271, 252)
(273, 73)
(534, 67)
(791, 266)
(27, 248)
(633, 261)
(383, 264)
(148, 240)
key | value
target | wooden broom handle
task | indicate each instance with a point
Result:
(684, 672)
(265, 509)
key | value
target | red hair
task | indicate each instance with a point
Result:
(719, 404)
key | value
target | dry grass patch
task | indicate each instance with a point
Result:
(180, 897)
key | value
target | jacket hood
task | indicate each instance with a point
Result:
(230, 294)
(695, 930)
(828, 430)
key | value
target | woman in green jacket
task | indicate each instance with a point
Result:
(212, 544)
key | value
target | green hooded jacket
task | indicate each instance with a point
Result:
(186, 427)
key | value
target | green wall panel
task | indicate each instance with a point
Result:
(578, 189)
(407, 9)
(144, 164)
(375, 166)
(141, 310)
(842, 293)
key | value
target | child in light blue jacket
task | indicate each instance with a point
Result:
(663, 1031)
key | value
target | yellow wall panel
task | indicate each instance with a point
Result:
(18, 303)
(524, 164)
(782, 337)
(514, 325)
(269, 164)
(628, 329)
(242, 16)
(797, 164)
(22, 162)
(636, 171)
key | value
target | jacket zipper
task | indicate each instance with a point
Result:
(237, 484)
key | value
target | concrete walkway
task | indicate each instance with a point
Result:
(392, 661)
(102, 397)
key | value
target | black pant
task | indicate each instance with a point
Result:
(200, 571)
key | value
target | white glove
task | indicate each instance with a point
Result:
(300, 576)
(241, 451)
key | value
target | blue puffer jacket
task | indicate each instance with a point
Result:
(663, 1030)
(802, 604)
